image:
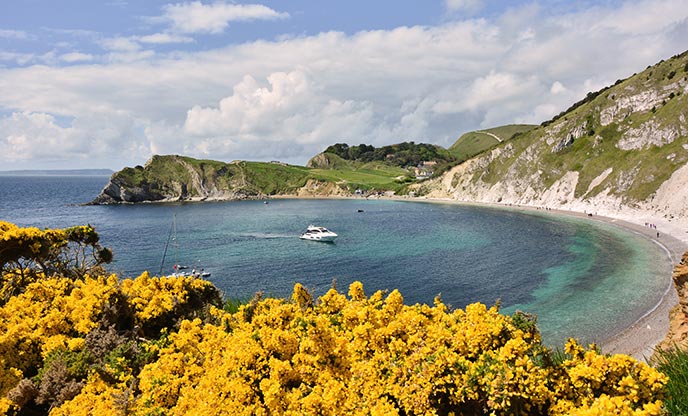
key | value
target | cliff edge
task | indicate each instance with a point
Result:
(180, 178)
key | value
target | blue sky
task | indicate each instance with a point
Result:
(87, 84)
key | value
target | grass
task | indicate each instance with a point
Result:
(372, 175)
(272, 178)
(507, 132)
(364, 178)
(476, 142)
(233, 304)
(471, 144)
(674, 363)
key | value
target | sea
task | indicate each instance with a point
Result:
(580, 277)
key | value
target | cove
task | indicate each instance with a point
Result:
(581, 278)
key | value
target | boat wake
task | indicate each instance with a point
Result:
(263, 236)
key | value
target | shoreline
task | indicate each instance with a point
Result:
(637, 340)
(640, 338)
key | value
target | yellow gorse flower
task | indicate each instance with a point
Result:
(337, 354)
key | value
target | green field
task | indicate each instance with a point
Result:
(373, 175)
(476, 142)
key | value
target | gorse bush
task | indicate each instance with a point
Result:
(27, 254)
(165, 346)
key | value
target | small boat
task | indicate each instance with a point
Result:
(180, 270)
(192, 273)
(316, 233)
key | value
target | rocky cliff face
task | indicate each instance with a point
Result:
(178, 178)
(626, 149)
(678, 325)
(117, 191)
(321, 160)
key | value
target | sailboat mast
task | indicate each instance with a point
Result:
(173, 227)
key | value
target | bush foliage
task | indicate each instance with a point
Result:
(164, 346)
(402, 154)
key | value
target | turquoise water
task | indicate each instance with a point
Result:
(582, 278)
(598, 291)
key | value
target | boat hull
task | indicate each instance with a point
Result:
(323, 238)
(314, 233)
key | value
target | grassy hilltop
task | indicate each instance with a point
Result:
(476, 142)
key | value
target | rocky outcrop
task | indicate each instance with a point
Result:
(569, 138)
(178, 178)
(678, 319)
(649, 134)
(321, 160)
(315, 188)
(116, 192)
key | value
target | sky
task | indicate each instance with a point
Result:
(108, 84)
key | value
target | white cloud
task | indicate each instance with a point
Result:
(290, 107)
(29, 135)
(73, 57)
(163, 38)
(642, 17)
(495, 89)
(125, 49)
(91, 139)
(196, 17)
(291, 98)
(120, 44)
(557, 88)
(19, 58)
(130, 57)
(463, 5)
(13, 34)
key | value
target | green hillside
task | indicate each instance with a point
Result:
(173, 177)
(620, 143)
(476, 142)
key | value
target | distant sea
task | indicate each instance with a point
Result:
(582, 278)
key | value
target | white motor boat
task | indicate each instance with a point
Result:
(316, 233)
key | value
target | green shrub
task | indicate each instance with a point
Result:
(674, 363)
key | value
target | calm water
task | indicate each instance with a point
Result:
(581, 278)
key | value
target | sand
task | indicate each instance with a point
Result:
(640, 339)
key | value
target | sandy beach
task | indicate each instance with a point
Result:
(640, 339)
